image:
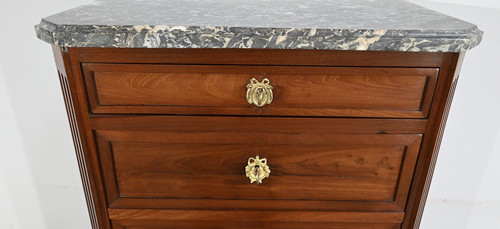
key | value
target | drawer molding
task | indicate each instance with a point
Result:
(296, 90)
(203, 163)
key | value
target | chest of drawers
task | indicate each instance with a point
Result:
(349, 137)
(249, 114)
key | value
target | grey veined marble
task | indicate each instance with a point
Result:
(385, 25)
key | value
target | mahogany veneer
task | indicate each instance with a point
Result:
(312, 91)
(163, 135)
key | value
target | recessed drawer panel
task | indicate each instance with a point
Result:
(304, 166)
(156, 219)
(296, 91)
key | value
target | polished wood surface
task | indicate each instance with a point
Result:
(266, 216)
(258, 124)
(130, 147)
(159, 224)
(449, 74)
(256, 204)
(367, 92)
(307, 166)
(270, 57)
(266, 219)
(97, 214)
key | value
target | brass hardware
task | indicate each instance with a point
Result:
(257, 169)
(259, 93)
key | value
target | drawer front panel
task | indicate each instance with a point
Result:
(341, 172)
(316, 91)
(153, 219)
(159, 224)
(304, 166)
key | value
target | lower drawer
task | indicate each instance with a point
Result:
(156, 219)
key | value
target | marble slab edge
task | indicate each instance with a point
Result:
(148, 36)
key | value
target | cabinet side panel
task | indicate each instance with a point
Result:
(62, 60)
(448, 77)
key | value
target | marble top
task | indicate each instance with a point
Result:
(382, 25)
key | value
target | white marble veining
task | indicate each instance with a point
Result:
(385, 25)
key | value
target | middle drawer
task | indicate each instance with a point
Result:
(205, 158)
(296, 90)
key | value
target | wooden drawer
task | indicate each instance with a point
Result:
(156, 219)
(297, 90)
(332, 164)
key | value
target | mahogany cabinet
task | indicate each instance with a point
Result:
(257, 114)
(164, 136)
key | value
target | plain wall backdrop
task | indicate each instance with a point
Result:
(40, 185)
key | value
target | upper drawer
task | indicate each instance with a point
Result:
(296, 90)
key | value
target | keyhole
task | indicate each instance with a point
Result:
(260, 94)
(257, 172)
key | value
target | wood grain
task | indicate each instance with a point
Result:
(256, 204)
(263, 216)
(158, 224)
(96, 210)
(402, 92)
(205, 163)
(384, 103)
(430, 146)
(259, 57)
(258, 124)
(287, 160)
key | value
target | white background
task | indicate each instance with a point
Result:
(39, 181)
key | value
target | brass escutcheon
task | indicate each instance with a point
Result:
(259, 93)
(257, 169)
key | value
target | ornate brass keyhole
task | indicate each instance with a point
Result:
(257, 169)
(259, 93)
